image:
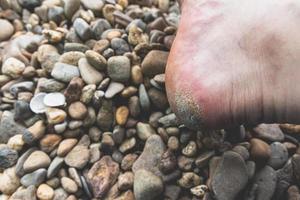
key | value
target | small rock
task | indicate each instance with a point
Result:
(82, 29)
(78, 157)
(54, 99)
(60, 128)
(64, 72)
(37, 103)
(128, 161)
(144, 131)
(260, 151)
(94, 5)
(19, 166)
(70, 7)
(155, 63)
(54, 167)
(35, 178)
(55, 115)
(66, 146)
(99, 26)
(96, 60)
(199, 191)
(118, 68)
(125, 181)
(279, 155)
(150, 157)
(102, 176)
(49, 142)
(88, 73)
(22, 110)
(73, 91)
(13, 67)
(71, 57)
(60, 194)
(8, 157)
(127, 145)
(158, 98)
(120, 46)
(9, 181)
(203, 159)
(296, 167)
(77, 110)
(147, 186)
(105, 115)
(190, 150)
(189, 180)
(266, 180)
(56, 14)
(36, 160)
(45, 192)
(243, 151)
(50, 85)
(231, 168)
(168, 162)
(172, 192)
(69, 185)
(16, 142)
(7, 30)
(87, 93)
(113, 89)
(144, 98)
(270, 132)
(293, 193)
(122, 115)
(24, 194)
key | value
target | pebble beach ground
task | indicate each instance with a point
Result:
(84, 113)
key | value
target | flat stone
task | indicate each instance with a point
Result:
(37, 103)
(103, 175)
(78, 157)
(155, 63)
(105, 115)
(35, 178)
(8, 127)
(118, 68)
(99, 26)
(64, 72)
(66, 146)
(147, 186)
(71, 57)
(266, 180)
(54, 99)
(279, 155)
(150, 157)
(144, 98)
(69, 185)
(50, 85)
(55, 166)
(88, 73)
(113, 89)
(36, 160)
(120, 46)
(231, 168)
(270, 132)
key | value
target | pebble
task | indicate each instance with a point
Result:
(54, 167)
(45, 192)
(35, 178)
(9, 181)
(190, 150)
(113, 89)
(94, 5)
(147, 186)
(73, 91)
(22, 110)
(78, 157)
(88, 73)
(243, 151)
(151, 155)
(296, 167)
(70, 7)
(118, 68)
(154, 63)
(266, 180)
(16, 142)
(50, 85)
(279, 155)
(168, 162)
(134, 106)
(87, 93)
(158, 98)
(105, 115)
(199, 191)
(7, 30)
(169, 120)
(96, 60)
(144, 98)
(203, 159)
(8, 157)
(71, 57)
(122, 115)
(120, 46)
(231, 168)
(69, 185)
(127, 145)
(99, 26)
(102, 176)
(293, 193)
(270, 132)
(260, 151)
(125, 181)
(128, 161)
(49, 142)
(173, 143)
(24, 193)
(60, 128)
(144, 131)
(66, 146)
(82, 29)
(55, 115)
(37, 103)
(54, 99)
(12, 67)
(59, 194)
(56, 14)
(36, 160)
(77, 110)
(19, 166)
(64, 72)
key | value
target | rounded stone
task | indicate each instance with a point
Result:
(7, 30)
(45, 192)
(54, 99)
(69, 185)
(13, 67)
(36, 160)
(260, 151)
(118, 68)
(77, 110)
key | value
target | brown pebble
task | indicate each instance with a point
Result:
(122, 115)
(49, 142)
(73, 91)
(77, 110)
(260, 151)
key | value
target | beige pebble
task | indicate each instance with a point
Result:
(122, 115)
(66, 146)
(45, 192)
(77, 110)
(69, 185)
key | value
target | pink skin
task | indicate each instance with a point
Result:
(236, 62)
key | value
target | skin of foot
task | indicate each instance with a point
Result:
(235, 62)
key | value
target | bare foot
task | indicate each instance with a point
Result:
(236, 62)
